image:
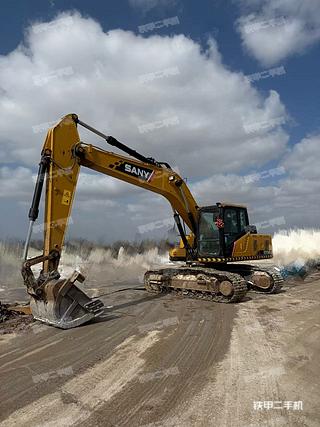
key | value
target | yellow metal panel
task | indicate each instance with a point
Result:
(252, 245)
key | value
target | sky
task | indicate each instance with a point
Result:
(237, 81)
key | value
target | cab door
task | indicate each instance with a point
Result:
(209, 235)
(235, 222)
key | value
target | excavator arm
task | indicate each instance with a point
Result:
(61, 302)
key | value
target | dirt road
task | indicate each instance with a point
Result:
(165, 361)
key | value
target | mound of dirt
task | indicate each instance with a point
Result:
(12, 320)
(5, 313)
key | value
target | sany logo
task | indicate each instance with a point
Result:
(143, 173)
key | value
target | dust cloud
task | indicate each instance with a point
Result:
(297, 247)
(300, 246)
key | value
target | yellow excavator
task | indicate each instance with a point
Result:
(219, 236)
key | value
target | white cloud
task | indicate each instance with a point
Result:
(15, 183)
(212, 104)
(272, 30)
(303, 160)
(299, 189)
(292, 196)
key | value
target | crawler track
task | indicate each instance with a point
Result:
(246, 271)
(276, 278)
(196, 282)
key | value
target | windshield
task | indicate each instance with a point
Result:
(208, 235)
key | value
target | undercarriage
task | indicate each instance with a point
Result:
(221, 283)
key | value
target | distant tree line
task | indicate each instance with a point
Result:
(83, 247)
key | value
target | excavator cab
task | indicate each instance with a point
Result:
(219, 227)
(224, 235)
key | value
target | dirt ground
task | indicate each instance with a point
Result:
(166, 361)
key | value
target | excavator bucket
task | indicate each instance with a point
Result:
(64, 305)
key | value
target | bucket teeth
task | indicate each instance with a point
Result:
(64, 305)
(94, 306)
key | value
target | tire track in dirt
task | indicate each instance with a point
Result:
(258, 367)
(190, 374)
(83, 394)
(188, 349)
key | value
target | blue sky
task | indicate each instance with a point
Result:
(287, 38)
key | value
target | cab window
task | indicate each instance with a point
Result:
(231, 224)
(235, 222)
(243, 219)
(209, 243)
